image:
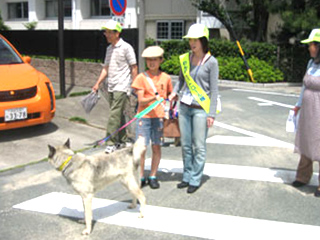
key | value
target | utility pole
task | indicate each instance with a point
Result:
(142, 32)
(61, 48)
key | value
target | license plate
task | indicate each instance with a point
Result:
(15, 114)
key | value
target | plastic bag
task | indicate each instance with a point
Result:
(292, 122)
(89, 101)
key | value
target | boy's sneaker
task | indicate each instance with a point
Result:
(110, 149)
(143, 182)
(153, 182)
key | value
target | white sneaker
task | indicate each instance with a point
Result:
(110, 149)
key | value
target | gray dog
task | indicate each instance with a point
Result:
(89, 174)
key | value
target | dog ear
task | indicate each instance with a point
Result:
(52, 151)
(67, 144)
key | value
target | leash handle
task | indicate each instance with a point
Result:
(148, 109)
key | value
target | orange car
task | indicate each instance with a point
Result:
(26, 95)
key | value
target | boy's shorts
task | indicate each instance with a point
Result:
(150, 129)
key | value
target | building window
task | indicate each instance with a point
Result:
(170, 30)
(100, 8)
(52, 8)
(18, 10)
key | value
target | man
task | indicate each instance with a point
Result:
(120, 68)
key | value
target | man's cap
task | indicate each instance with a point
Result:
(152, 51)
(113, 25)
(313, 37)
(197, 30)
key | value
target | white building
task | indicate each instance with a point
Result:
(164, 19)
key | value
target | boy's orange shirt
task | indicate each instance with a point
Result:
(163, 85)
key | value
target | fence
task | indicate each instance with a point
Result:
(89, 44)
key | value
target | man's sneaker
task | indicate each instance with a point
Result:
(110, 149)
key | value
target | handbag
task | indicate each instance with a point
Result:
(89, 101)
(171, 128)
(171, 125)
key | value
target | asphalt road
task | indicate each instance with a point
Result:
(246, 191)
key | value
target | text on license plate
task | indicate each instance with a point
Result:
(15, 114)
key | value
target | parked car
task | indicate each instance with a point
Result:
(26, 95)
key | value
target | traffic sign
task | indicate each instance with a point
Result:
(118, 7)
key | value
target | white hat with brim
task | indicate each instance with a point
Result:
(197, 30)
(313, 37)
(152, 52)
(113, 25)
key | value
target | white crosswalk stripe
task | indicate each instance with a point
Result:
(169, 220)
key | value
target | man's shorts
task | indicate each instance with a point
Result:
(150, 129)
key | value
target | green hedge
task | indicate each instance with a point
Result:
(232, 68)
(261, 59)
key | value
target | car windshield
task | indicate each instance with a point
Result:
(7, 54)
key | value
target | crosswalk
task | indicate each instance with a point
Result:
(181, 221)
(207, 225)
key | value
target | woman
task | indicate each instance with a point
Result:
(307, 142)
(198, 86)
(149, 87)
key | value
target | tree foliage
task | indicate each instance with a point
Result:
(249, 18)
(299, 18)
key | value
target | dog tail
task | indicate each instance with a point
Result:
(138, 148)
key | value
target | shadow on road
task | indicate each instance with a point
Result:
(27, 132)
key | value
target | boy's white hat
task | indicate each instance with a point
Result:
(113, 25)
(153, 51)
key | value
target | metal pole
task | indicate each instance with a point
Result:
(61, 49)
(141, 27)
(240, 48)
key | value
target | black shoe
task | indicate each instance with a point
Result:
(317, 193)
(192, 189)
(153, 183)
(298, 184)
(143, 182)
(182, 185)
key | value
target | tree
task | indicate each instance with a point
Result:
(247, 18)
(250, 17)
(2, 25)
(299, 18)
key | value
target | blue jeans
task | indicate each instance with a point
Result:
(194, 131)
(150, 129)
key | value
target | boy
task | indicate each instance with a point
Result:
(150, 86)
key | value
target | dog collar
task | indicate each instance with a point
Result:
(65, 163)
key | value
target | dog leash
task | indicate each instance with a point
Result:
(137, 116)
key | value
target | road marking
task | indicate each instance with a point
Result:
(273, 175)
(254, 139)
(169, 220)
(267, 93)
(270, 103)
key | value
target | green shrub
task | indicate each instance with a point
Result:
(171, 66)
(234, 69)
(261, 59)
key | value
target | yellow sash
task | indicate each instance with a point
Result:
(197, 92)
